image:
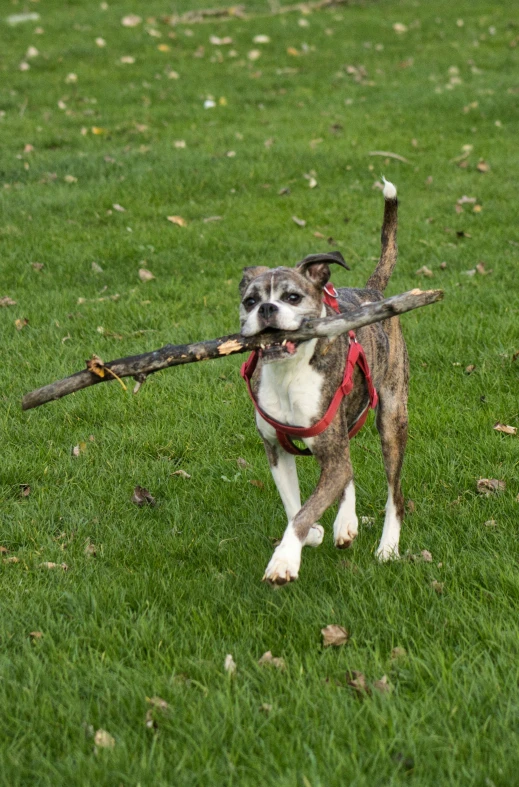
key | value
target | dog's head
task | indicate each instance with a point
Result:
(281, 298)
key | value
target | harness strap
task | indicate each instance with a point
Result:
(355, 356)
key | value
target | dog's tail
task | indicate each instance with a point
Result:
(382, 273)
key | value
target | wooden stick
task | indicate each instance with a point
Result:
(173, 355)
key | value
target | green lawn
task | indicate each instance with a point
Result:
(172, 589)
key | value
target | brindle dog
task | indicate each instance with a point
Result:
(296, 382)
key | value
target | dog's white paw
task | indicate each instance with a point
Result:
(386, 552)
(284, 563)
(345, 534)
(315, 536)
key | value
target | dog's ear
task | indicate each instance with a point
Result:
(249, 274)
(316, 268)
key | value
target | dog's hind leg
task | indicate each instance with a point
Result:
(392, 427)
(284, 473)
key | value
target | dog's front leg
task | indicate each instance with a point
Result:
(285, 562)
(346, 525)
(284, 473)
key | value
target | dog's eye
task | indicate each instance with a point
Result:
(249, 303)
(293, 297)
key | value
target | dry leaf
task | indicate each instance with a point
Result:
(242, 463)
(229, 665)
(357, 681)
(399, 27)
(163, 47)
(225, 41)
(70, 179)
(299, 222)
(261, 39)
(11, 559)
(480, 268)
(254, 54)
(131, 20)
(398, 653)
(505, 429)
(424, 271)
(437, 586)
(265, 707)
(141, 496)
(145, 274)
(78, 449)
(7, 301)
(127, 60)
(104, 740)
(411, 506)
(470, 368)
(3, 550)
(181, 473)
(118, 207)
(259, 484)
(90, 549)
(96, 268)
(47, 564)
(178, 220)
(291, 50)
(36, 635)
(157, 702)
(271, 660)
(491, 523)
(25, 491)
(334, 635)
(382, 685)
(426, 556)
(482, 166)
(21, 323)
(209, 219)
(488, 486)
(96, 365)
(100, 42)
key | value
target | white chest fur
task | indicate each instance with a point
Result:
(290, 391)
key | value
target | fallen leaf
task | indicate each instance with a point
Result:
(163, 47)
(71, 79)
(36, 634)
(398, 653)
(229, 665)
(127, 60)
(104, 740)
(242, 463)
(259, 484)
(100, 42)
(7, 301)
(299, 222)
(463, 200)
(426, 556)
(181, 473)
(477, 208)
(157, 702)
(98, 131)
(49, 565)
(357, 681)
(3, 550)
(96, 365)
(334, 635)
(141, 496)
(437, 586)
(399, 27)
(25, 491)
(180, 143)
(284, 191)
(118, 207)
(90, 549)
(178, 220)
(382, 685)
(480, 268)
(271, 660)
(482, 166)
(21, 323)
(209, 219)
(70, 179)
(265, 707)
(491, 523)
(505, 429)
(411, 506)
(424, 271)
(225, 41)
(145, 275)
(291, 50)
(254, 54)
(443, 266)
(11, 559)
(96, 268)
(261, 39)
(131, 20)
(489, 486)
(470, 368)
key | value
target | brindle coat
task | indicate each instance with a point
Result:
(386, 353)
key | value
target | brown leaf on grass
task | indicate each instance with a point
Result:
(21, 323)
(157, 702)
(466, 200)
(382, 685)
(104, 740)
(25, 490)
(12, 559)
(242, 463)
(145, 275)
(141, 496)
(78, 449)
(273, 661)
(229, 665)
(357, 681)
(505, 429)
(35, 635)
(47, 564)
(96, 365)
(491, 523)
(254, 482)
(480, 268)
(90, 549)
(490, 486)
(426, 556)
(3, 550)
(334, 635)
(181, 473)
(470, 368)
(96, 268)
(178, 220)
(424, 271)
(398, 653)
(265, 707)
(7, 301)
(482, 166)
(299, 222)
(131, 20)
(118, 208)
(399, 27)
(437, 586)
(411, 506)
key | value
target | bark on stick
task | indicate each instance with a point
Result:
(175, 355)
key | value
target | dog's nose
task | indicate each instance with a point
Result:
(266, 310)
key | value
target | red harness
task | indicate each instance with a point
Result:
(356, 356)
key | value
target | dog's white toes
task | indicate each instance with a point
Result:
(345, 537)
(283, 567)
(315, 536)
(387, 552)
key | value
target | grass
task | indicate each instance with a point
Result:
(174, 588)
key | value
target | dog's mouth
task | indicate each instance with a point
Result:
(276, 351)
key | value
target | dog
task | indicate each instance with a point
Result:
(295, 383)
